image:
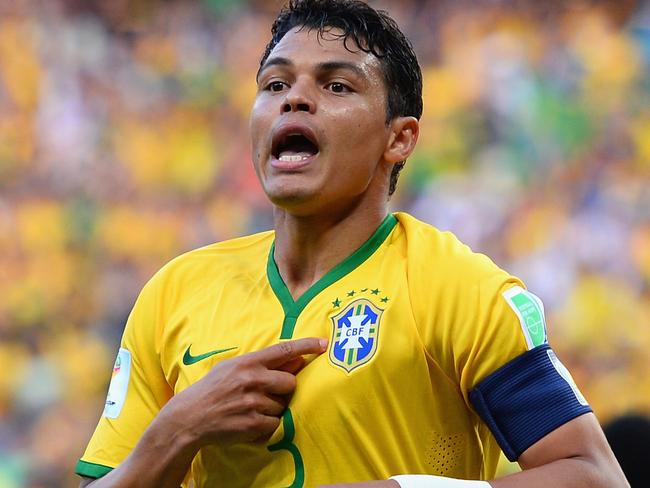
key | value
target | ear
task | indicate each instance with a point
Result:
(404, 132)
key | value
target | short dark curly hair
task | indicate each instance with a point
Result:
(372, 31)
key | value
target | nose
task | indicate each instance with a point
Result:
(299, 99)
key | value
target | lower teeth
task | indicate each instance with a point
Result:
(293, 159)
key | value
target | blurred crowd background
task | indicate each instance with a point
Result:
(124, 142)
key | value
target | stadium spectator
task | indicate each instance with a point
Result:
(551, 173)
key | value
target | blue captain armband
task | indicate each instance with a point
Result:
(526, 399)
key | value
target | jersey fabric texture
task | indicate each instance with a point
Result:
(415, 320)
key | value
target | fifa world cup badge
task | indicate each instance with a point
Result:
(355, 334)
(119, 385)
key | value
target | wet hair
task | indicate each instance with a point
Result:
(372, 31)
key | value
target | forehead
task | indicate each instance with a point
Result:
(305, 46)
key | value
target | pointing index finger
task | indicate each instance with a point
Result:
(278, 354)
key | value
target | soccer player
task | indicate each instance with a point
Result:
(349, 345)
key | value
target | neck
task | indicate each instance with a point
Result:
(307, 247)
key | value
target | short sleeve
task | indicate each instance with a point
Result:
(487, 334)
(137, 391)
(466, 325)
(515, 381)
(495, 335)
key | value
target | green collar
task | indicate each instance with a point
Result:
(292, 309)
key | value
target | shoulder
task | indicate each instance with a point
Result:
(462, 303)
(459, 290)
(226, 260)
(440, 255)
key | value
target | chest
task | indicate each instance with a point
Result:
(367, 320)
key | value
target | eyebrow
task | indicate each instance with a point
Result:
(341, 65)
(325, 66)
(273, 62)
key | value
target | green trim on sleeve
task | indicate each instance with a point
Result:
(293, 309)
(92, 470)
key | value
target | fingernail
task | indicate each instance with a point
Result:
(323, 343)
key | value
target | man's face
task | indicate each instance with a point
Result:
(318, 125)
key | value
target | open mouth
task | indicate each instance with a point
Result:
(294, 147)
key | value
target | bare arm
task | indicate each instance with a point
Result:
(240, 400)
(575, 455)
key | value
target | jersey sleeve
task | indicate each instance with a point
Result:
(488, 334)
(528, 396)
(493, 337)
(466, 326)
(506, 368)
(137, 391)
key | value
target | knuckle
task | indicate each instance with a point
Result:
(255, 422)
(291, 382)
(287, 348)
(250, 402)
(245, 360)
(254, 381)
(267, 424)
(246, 378)
(273, 424)
(252, 422)
(240, 363)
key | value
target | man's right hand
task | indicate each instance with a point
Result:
(241, 399)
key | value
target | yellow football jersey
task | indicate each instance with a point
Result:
(415, 320)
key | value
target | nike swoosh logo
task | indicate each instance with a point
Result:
(189, 359)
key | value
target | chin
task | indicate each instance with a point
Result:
(296, 201)
(288, 200)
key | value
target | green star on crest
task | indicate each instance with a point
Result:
(351, 293)
(375, 291)
(384, 300)
(336, 303)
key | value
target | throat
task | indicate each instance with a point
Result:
(299, 288)
(301, 267)
(306, 249)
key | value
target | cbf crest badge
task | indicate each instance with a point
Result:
(355, 333)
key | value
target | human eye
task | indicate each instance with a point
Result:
(275, 86)
(338, 87)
